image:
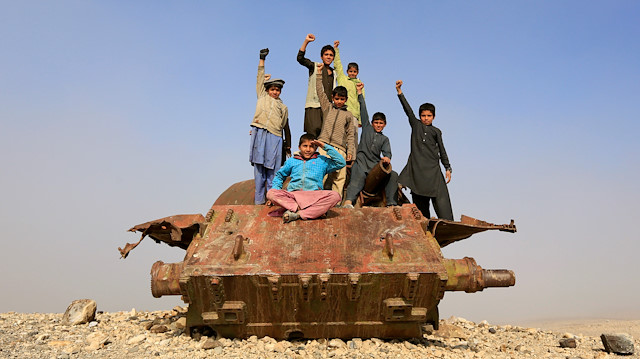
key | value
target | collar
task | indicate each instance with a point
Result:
(340, 108)
(297, 156)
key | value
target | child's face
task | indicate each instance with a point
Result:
(274, 91)
(378, 125)
(327, 57)
(339, 100)
(352, 72)
(426, 117)
(307, 149)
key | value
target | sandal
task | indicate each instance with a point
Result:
(289, 216)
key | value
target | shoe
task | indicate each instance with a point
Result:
(289, 216)
(350, 206)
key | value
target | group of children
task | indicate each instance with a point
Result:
(332, 117)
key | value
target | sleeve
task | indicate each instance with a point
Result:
(407, 109)
(339, 71)
(351, 136)
(305, 62)
(281, 175)
(260, 82)
(443, 153)
(386, 148)
(287, 135)
(324, 100)
(364, 115)
(336, 161)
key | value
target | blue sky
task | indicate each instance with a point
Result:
(115, 113)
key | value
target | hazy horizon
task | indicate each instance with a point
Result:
(117, 113)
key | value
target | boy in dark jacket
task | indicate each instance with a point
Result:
(422, 173)
(372, 145)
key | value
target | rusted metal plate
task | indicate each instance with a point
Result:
(369, 272)
(447, 232)
(176, 231)
(348, 240)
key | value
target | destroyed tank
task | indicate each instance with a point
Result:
(363, 272)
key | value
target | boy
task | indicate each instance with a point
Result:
(337, 129)
(349, 82)
(312, 112)
(304, 197)
(269, 121)
(422, 173)
(372, 144)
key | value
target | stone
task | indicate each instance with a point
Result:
(97, 339)
(93, 324)
(492, 330)
(210, 344)
(619, 343)
(337, 343)
(450, 331)
(137, 339)
(568, 343)
(159, 329)
(80, 311)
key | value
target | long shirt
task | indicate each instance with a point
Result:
(422, 172)
(327, 81)
(372, 143)
(350, 84)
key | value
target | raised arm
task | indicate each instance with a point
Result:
(337, 63)
(336, 161)
(325, 104)
(303, 60)
(364, 115)
(260, 91)
(405, 104)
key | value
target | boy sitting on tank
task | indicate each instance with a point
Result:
(373, 144)
(422, 172)
(337, 129)
(304, 197)
(269, 121)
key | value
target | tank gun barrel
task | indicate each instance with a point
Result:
(165, 278)
(465, 275)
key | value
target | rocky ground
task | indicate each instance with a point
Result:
(160, 334)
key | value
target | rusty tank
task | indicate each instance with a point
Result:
(363, 272)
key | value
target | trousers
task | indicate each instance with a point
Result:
(308, 204)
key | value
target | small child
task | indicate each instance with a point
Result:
(337, 129)
(372, 144)
(422, 173)
(312, 111)
(269, 121)
(349, 82)
(304, 197)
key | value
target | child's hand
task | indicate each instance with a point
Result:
(448, 176)
(264, 53)
(359, 87)
(320, 67)
(386, 160)
(398, 86)
(348, 158)
(310, 38)
(267, 77)
(336, 43)
(318, 143)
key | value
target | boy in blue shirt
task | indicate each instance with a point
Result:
(304, 197)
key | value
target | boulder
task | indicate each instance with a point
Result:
(619, 343)
(80, 311)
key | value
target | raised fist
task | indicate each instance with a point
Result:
(359, 87)
(310, 37)
(336, 43)
(398, 84)
(264, 53)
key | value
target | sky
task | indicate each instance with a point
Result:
(115, 113)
